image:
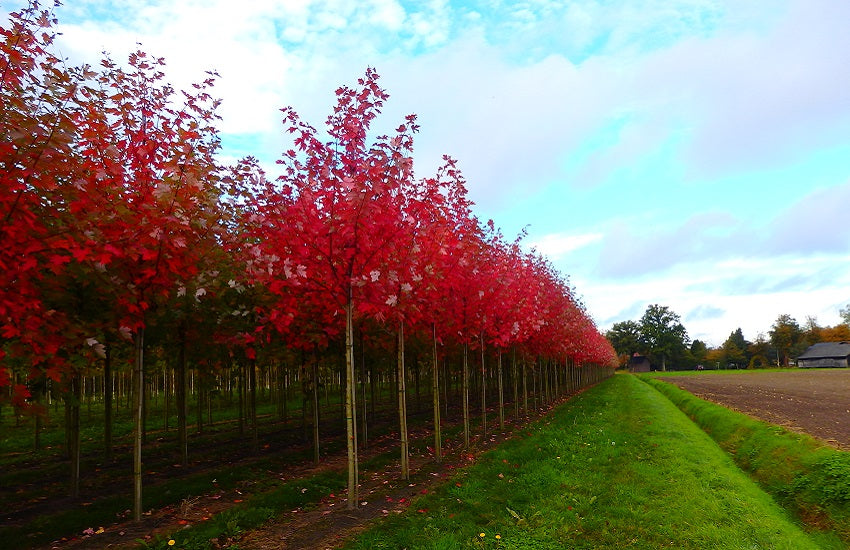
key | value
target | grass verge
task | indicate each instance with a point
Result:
(619, 466)
(806, 476)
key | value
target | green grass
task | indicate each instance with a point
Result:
(803, 474)
(617, 467)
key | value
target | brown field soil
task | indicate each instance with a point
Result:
(816, 402)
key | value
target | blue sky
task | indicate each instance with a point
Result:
(690, 153)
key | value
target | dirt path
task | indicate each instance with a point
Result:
(814, 402)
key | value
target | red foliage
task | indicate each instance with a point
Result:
(108, 182)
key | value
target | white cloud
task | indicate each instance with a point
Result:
(815, 223)
(705, 295)
(744, 99)
(557, 245)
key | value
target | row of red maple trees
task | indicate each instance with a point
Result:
(115, 213)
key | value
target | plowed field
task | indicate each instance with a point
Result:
(815, 402)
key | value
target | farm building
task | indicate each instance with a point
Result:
(825, 354)
(639, 363)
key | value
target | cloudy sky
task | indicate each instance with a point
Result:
(690, 153)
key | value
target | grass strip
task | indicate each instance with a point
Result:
(616, 467)
(806, 476)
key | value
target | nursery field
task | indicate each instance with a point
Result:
(816, 402)
(618, 465)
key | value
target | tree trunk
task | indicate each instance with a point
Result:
(315, 402)
(515, 383)
(438, 443)
(252, 382)
(402, 404)
(416, 381)
(139, 397)
(305, 392)
(73, 429)
(465, 391)
(483, 390)
(363, 420)
(107, 402)
(180, 398)
(199, 402)
(373, 380)
(501, 396)
(350, 405)
(167, 396)
(37, 395)
(240, 390)
(524, 388)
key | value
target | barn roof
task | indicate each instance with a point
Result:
(827, 350)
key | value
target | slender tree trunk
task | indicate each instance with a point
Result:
(524, 387)
(416, 378)
(180, 398)
(315, 402)
(363, 420)
(438, 443)
(350, 406)
(199, 402)
(37, 395)
(107, 402)
(88, 390)
(446, 377)
(515, 383)
(465, 391)
(501, 396)
(139, 397)
(240, 390)
(373, 381)
(166, 395)
(402, 404)
(145, 393)
(252, 382)
(285, 367)
(73, 429)
(483, 390)
(305, 392)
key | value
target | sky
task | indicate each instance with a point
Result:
(688, 153)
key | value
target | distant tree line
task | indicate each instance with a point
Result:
(660, 336)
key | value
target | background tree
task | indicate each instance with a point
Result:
(698, 352)
(838, 333)
(785, 335)
(625, 336)
(845, 314)
(812, 332)
(734, 350)
(662, 333)
(759, 351)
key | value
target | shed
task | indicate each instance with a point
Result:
(639, 363)
(826, 354)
